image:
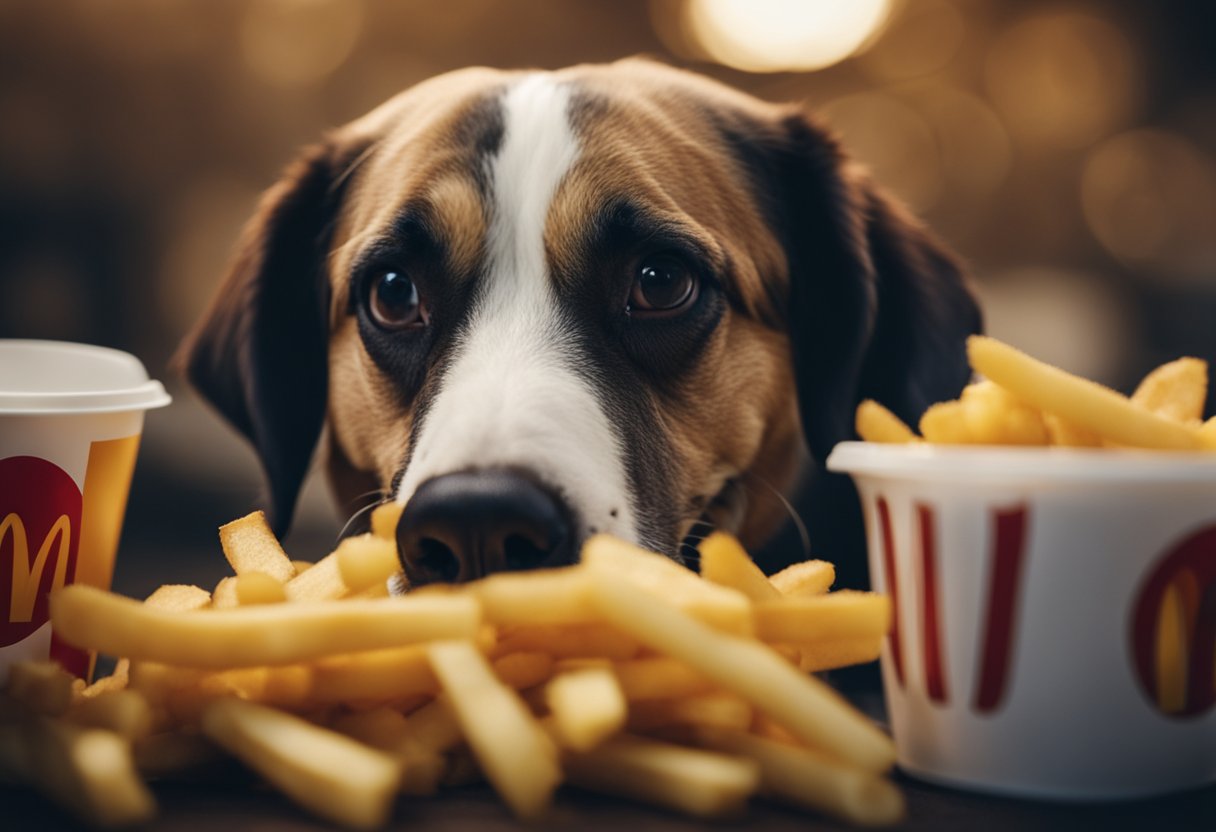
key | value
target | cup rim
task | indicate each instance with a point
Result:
(999, 464)
(135, 391)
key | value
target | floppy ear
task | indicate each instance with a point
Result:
(878, 308)
(259, 353)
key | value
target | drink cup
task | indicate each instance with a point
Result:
(1055, 615)
(70, 422)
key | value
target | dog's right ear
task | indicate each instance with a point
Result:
(259, 355)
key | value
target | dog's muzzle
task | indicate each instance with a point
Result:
(462, 526)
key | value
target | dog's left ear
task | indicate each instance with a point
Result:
(878, 308)
(259, 354)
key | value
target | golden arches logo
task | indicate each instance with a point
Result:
(27, 575)
(40, 513)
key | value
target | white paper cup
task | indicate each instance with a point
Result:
(1033, 590)
(70, 422)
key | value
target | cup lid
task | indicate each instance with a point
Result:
(57, 377)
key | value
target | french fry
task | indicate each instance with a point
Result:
(253, 588)
(830, 655)
(384, 520)
(514, 752)
(1207, 434)
(87, 770)
(811, 710)
(224, 596)
(721, 607)
(877, 424)
(1085, 403)
(572, 641)
(125, 712)
(724, 561)
(722, 710)
(42, 686)
(366, 560)
(178, 598)
(250, 636)
(387, 730)
(700, 783)
(945, 423)
(301, 566)
(1065, 434)
(434, 726)
(321, 582)
(117, 680)
(250, 545)
(550, 596)
(1176, 390)
(659, 677)
(587, 707)
(327, 773)
(375, 675)
(805, 777)
(812, 577)
(830, 617)
(523, 670)
(994, 416)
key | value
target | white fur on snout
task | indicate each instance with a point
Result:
(512, 394)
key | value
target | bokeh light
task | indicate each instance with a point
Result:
(1149, 196)
(921, 39)
(783, 35)
(295, 43)
(1064, 79)
(893, 141)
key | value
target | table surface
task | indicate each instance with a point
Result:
(198, 807)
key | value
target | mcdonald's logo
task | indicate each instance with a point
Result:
(995, 650)
(1173, 627)
(40, 509)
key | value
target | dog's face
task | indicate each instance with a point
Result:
(537, 306)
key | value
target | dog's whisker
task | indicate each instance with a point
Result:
(356, 516)
(803, 534)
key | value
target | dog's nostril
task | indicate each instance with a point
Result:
(436, 558)
(520, 553)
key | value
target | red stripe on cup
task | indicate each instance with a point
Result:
(935, 675)
(888, 562)
(996, 655)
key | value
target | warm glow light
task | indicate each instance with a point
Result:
(1149, 197)
(894, 141)
(1064, 79)
(783, 35)
(295, 43)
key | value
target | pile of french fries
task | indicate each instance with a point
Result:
(625, 674)
(1023, 401)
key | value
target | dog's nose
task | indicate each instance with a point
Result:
(462, 526)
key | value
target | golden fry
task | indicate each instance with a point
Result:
(327, 773)
(830, 617)
(811, 710)
(253, 588)
(1176, 390)
(365, 561)
(587, 706)
(1085, 403)
(877, 424)
(251, 546)
(812, 577)
(250, 636)
(178, 598)
(724, 561)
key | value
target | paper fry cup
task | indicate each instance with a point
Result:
(70, 422)
(1055, 614)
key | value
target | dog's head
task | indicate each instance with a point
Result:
(536, 306)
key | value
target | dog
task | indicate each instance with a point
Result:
(536, 306)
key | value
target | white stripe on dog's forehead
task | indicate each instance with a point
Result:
(512, 395)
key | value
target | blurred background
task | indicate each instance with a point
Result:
(1066, 149)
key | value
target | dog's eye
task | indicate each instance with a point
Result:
(663, 284)
(393, 302)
